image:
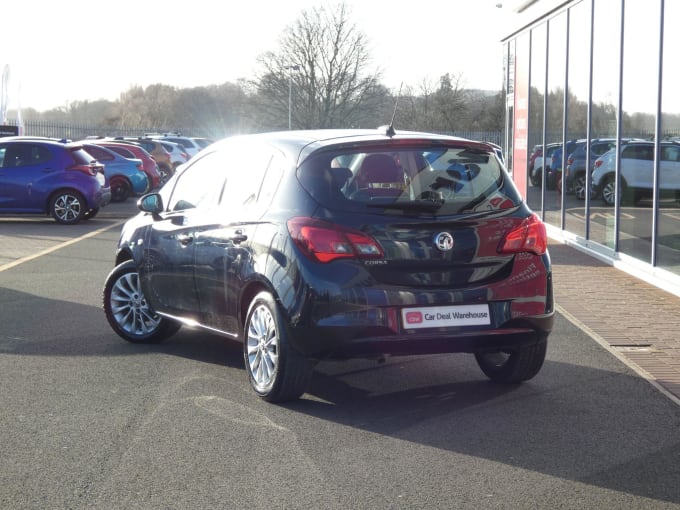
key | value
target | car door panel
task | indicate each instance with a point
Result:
(167, 274)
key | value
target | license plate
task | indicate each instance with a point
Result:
(445, 316)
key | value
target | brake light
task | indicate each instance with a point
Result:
(598, 163)
(84, 168)
(530, 236)
(325, 242)
(570, 161)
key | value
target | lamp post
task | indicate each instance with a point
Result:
(291, 68)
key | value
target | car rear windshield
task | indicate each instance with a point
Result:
(439, 181)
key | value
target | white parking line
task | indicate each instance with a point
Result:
(59, 246)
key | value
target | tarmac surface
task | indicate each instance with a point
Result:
(634, 320)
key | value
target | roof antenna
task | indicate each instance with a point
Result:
(389, 130)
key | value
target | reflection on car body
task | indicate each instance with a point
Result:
(318, 244)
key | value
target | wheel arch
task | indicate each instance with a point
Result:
(248, 293)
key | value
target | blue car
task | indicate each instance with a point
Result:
(126, 176)
(50, 177)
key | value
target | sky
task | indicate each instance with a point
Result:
(63, 51)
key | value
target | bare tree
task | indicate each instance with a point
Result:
(451, 101)
(320, 76)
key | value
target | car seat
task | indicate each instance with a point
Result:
(378, 176)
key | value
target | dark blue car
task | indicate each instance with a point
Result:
(45, 176)
(331, 244)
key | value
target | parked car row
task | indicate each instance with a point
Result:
(636, 163)
(72, 180)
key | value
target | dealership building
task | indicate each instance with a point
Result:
(615, 60)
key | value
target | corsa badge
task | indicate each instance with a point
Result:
(443, 241)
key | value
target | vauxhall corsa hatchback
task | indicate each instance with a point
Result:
(332, 244)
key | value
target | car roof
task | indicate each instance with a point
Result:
(304, 142)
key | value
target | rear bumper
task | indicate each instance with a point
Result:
(386, 336)
(106, 197)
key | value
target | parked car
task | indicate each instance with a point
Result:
(132, 151)
(50, 177)
(575, 176)
(202, 142)
(157, 151)
(339, 243)
(126, 176)
(557, 160)
(178, 155)
(190, 146)
(637, 172)
(539, 162)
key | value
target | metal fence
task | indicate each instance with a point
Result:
(81, 131)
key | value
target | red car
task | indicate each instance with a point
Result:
(148, 162)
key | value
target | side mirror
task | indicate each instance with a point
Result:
(151, 203)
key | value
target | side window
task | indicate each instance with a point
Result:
(245, 174)
(642, 152)
(271, 180)
(17, 155)
(99, 154)
(200, 184)
(41, 154)
(670, 154)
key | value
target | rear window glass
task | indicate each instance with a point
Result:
(81, 156)
(441, 180)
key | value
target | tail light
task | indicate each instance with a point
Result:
(570, 161)
(530, 236)
(598, 163)
(326, 242)
(84, 168)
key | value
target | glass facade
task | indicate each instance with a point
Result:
(599, 158)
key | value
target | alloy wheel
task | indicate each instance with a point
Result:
(129, 306)
(262, 347)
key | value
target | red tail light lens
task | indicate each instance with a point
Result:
(598, 163)
(326, 242)
(530, 237)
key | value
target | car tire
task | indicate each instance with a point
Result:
(120, 189)
(536, 178)
(67, 207)
(276, 371)
(579, 187)
(609, 190)
(91, 213)
(513, 365)
(165, 173)
(127, 310)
